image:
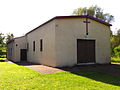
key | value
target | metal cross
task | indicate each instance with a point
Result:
(86, 25)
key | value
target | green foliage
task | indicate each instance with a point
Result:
(3, 44)
(17, 77)
(94, 11)
(115, 59)
(115, 42)
(117, 51)
(1, 58)
(9, 37)
(3, 52)
(2, 37)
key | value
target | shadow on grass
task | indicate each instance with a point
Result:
(109, 74)
(100, 76)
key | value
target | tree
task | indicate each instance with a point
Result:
(9, 37)
(115, 42)
(2, 37)
(117, 51)
(94, 11)
(118, 36)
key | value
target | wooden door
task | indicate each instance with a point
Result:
(23, 54)
(85, 51)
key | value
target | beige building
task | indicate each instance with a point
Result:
(15, 48)
(64, 41)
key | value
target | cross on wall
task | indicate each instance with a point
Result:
(87, 22)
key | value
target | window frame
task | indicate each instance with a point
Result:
(34, 46)
(27, 46)
(41, 45)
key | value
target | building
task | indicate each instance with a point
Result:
(64, 41)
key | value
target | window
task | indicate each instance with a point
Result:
(41, 45)
(33, 45)
(27, 46)
(16, 45)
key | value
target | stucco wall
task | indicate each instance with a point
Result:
(60, 42)
(47, 34)
(66, 35)
(10, 51)
(16, 45)
(19, 43)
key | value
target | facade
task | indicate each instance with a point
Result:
(14, 48)
(64, 41)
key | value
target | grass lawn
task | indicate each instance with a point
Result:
(15, 77)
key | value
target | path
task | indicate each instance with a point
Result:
(113, 69)
(44, 69)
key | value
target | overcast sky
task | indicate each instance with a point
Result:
(20, 16)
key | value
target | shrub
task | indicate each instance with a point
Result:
(117, 51)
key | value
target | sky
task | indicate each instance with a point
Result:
(21, 16)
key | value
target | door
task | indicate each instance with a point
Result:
(85, 51)
(23, 54)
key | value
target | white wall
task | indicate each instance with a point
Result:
(69, 30)
(10, 51)
(16, 45)
(60, 42)
(19, 43)
(47, 56)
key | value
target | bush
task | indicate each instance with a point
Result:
(113, 59)
(2, 56)
(117, 51)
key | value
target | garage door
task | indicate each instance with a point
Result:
(85, 51)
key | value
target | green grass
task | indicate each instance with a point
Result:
(15, 77)
(118, 67)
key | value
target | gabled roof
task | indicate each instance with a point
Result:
(73, 16)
